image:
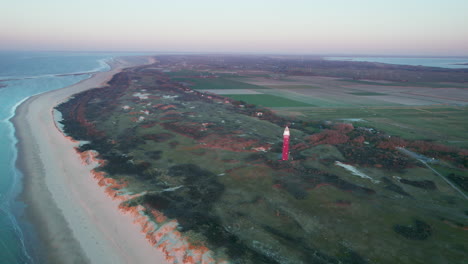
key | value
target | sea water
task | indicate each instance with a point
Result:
(21, 76)
(452, 63)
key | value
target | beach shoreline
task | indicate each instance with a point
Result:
(74, 218)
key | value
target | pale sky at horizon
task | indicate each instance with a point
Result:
(398, 27)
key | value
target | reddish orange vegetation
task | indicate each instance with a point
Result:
(300, 146)
(188, 129)
(359, 140)
(392, 143)
(164, 107)
(236, 144)
(420, 146)
(89, 157)
(167, 107)
(157, 105)
(172, 112)
(174, 117)
(113, 188)
(426, 148)
(343, 127)
(332, 137)
(158, 216)
(71, 139)
(78, 114)
(335, 136)
(152, 124)
(162, 233)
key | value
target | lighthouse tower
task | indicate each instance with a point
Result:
(286, 144)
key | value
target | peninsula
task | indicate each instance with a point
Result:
(179, 160)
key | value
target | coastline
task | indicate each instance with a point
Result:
(59, 189)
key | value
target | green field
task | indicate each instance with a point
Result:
(191, 73)
(267, 100)
(184, 73)
(367, 93)
(217, 83)
(446, 125)
(408, 84)
(293, 86)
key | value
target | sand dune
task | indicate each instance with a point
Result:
(76, 220)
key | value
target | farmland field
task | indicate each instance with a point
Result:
(295, 86)
(408, 84)
(267, 100)
(444, 124)
(217, 83)
(367, 93)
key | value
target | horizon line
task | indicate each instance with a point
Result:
(248, 53)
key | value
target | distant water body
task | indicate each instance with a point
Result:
(23, 75)
(452, 63)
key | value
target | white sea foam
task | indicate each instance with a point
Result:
(103, 66)
(11, 97)
(15, 188)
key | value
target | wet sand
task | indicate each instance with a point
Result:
(75, 219)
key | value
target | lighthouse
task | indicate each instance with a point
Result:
(286, 144)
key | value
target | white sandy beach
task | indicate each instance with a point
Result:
(77, 221)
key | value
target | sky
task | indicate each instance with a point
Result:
(374, 27)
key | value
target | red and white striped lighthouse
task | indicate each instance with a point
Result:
(286, 144)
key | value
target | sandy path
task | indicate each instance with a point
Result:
(76, 221)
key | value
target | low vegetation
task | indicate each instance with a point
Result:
(212, 163)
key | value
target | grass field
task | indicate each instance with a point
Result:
(294, 86)
(218, 83)
(367, 93)
(186, 73)
(446, 125)
(408, 84)
(183, 73)
(267, 100)
(458, 177)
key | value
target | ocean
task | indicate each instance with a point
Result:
(452, 63)
(24, 74)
